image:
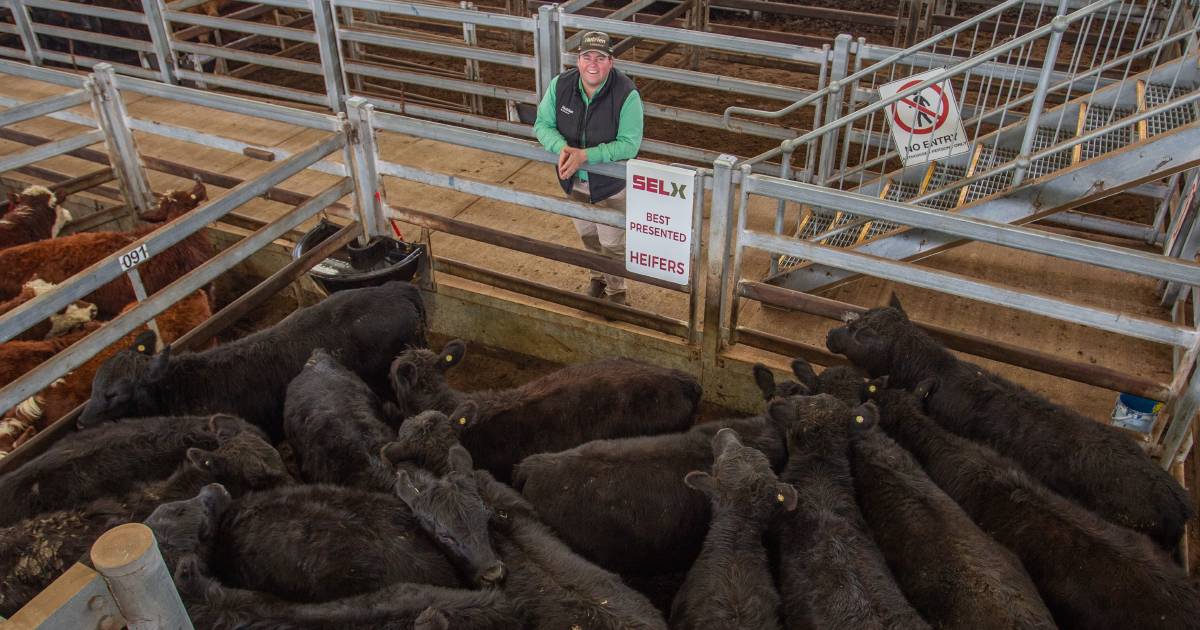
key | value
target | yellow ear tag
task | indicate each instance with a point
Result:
(449, 358)
(141, 348)
(462, 421)
(871, 388)
(858, 419)
(193, 197)
(780, 497)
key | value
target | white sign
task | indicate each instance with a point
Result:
(658, 220)
(134, 257)
(925, 124)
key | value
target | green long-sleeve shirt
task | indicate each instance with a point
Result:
(629, 128)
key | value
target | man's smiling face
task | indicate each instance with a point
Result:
(594, 67)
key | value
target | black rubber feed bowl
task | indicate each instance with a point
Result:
(383, 259)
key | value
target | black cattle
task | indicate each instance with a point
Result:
(549, 583)
(1092, 574)
(623, 504)
(953, 573)
(424, 440)
(188, 528)
(1081, 459)
(249, 377)
(605, 399)
(832, 575)
(35, 551)
(730, 585)
(108, 461)
(334, 424)
(844, 382)
(211, 604)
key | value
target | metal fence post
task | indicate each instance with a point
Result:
(699, 274)
(368, 189)
(128, 558)
(122, 150)
(1182, 411)
(720, 235)
(160, 37)
(833, 106)
(785, 172)
(547, 46)
(20, 13)
(325, 25)
(471, 72)
(1058, 26)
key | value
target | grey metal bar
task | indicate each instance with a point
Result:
(109, 109)
(325, 25)
(547, 48)
(1058, 26)
(265, 89)
(139, 292)
(95, 38)
(1179, 426)
(271, 61)
(1017, 237)
(228, 103)
(368, 188)
(434, 12)
(47, 75)
(729, 43)
(100, 273)
(79, 8)
(437, 48)
(24, 23)
(91, 62)
(695, 305)
(720, 234)
(242, 26)
(558, 206)
(995, 69)
(572, 42)
(126, 322)
(160, 36)
(705, 80)
(572, 6)
(458, 85)
(1104, 225)
(945, 282)
(46, 151)
(705, 119)
(43, 107)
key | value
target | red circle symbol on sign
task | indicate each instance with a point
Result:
(927, 116)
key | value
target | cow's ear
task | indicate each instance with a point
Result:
(403, 376)
(224, 426)
(875, 386)
(804, 373)
(201, 459)
(159, 365)
(894, 302)
(145, 342)
(703, 482)
(396, 452)
(464, 416)
(431, 619)
(786, 495)
(780, 411)
(864, 416)
(765, 381)
(724, 440)
(925, 388)
(405, 488)
(459, 460)
(452, 354)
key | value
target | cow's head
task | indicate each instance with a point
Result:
(822, 420)
(425, 439)
(418, 377)
(765, 379)
(125, 385)
(868, 340)
(45, 203)
(742, 480)
(176, 203)
(242, 463)
(452, 511)
(189, 526)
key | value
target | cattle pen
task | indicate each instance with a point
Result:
(289, 112)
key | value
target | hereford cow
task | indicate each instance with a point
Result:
(832, 575)
(334, 424)
(730, 586)
(35, 551)
(605, 399)
(249, 377)
(108, 461)
(1091, 573)
(211, 604)
(71, 318)
(33, 215)
(623, 504)
(950, 570)
(549, 583)
(59, 259)
(1056, 445)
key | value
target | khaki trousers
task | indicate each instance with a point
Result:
(603, 239)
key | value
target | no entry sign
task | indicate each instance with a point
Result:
(925, 124)
(658, 220)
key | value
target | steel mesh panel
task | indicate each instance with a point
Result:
(1175, 117)
(989, 158)
(822, 222)
(901, 191)
(1044, 139)
(1098, 117)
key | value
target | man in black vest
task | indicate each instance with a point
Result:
(591, 114)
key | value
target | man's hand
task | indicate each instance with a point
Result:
(570, 159)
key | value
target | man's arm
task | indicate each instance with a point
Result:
(629, 134)
(546, 127)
